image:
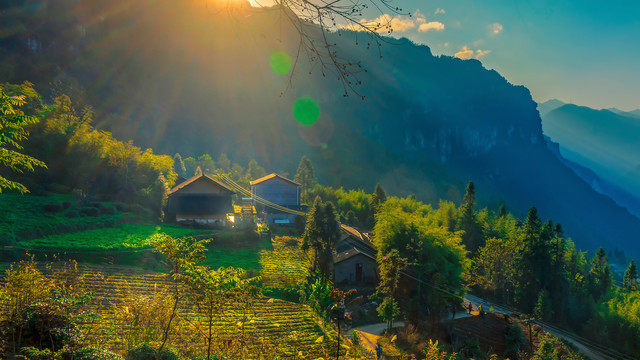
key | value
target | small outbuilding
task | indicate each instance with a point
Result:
(280, 191)
(201, 199)
(355, 267)
(355, 262)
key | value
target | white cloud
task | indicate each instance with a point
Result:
(431, 25)
(439, 11)
(481, 53)
(495, 28)
(385, 23)
(465, 53)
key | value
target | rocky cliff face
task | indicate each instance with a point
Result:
(179, 79)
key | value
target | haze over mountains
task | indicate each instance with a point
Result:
(180, 79)
(604, 141)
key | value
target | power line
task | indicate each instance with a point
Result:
(229, 182)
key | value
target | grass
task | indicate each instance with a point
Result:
(121, 237)
(23, 217)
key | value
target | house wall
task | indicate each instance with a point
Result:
(345, 271)
(205, 219)
(278, 192)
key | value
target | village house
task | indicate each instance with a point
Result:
(202, 200)
(355, 262)
(280, 191)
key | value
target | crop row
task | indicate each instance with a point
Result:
(271, 320)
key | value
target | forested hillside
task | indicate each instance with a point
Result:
(163, 75)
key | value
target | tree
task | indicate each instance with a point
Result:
(178, 165)
(472, 237)
(206, 163)
(224, 163)
(305, 177)
(378, 197)
(388, 310)
(13, 124)
(600, 275)
(314, 20)
(182, 254)
(321, 235)
(630, 281)
(255, 171)
(190, 165)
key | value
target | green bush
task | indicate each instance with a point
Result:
(86, 353)
(145, 351)
(52, 208)
(72, 214)
(90, 211)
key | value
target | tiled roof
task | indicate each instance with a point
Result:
(351, 253)
(194, 178)
(272, 176)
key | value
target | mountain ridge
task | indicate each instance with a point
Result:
(428, 124)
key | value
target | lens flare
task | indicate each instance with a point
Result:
(280, 62)
(306, 111)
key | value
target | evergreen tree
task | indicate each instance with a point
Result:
(190, 165)
(630, 281)
(472, 236)
(224, 163)
(13, 130)
(255, 171)
(502, 211)
(305, 177)
(600, 275)
(378, 197)
(321, 234)
(178, 165)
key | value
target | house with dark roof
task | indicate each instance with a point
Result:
(201, 199)
(355, 262)
(280, 191)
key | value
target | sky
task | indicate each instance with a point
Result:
(584, 52)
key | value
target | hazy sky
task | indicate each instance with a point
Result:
(585, 52)
(580, 51)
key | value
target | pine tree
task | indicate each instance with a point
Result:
(224, 163)
(472, 237)
(305, 177)
(378, 197)
(630, 281)
(178, 165)
(502, 211)
(321, 234)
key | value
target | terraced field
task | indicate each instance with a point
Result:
(288, 328)
(284, 266)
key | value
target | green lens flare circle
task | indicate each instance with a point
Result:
(306, 111)
(280, 62)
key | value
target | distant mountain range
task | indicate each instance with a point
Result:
(607, 142)
(184, 79)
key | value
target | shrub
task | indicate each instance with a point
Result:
(66, 205)
(52, 208)
(107, 210)
(145, 351)
(72, 214)
(86, 353)
(90, 211)
(514, 339)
